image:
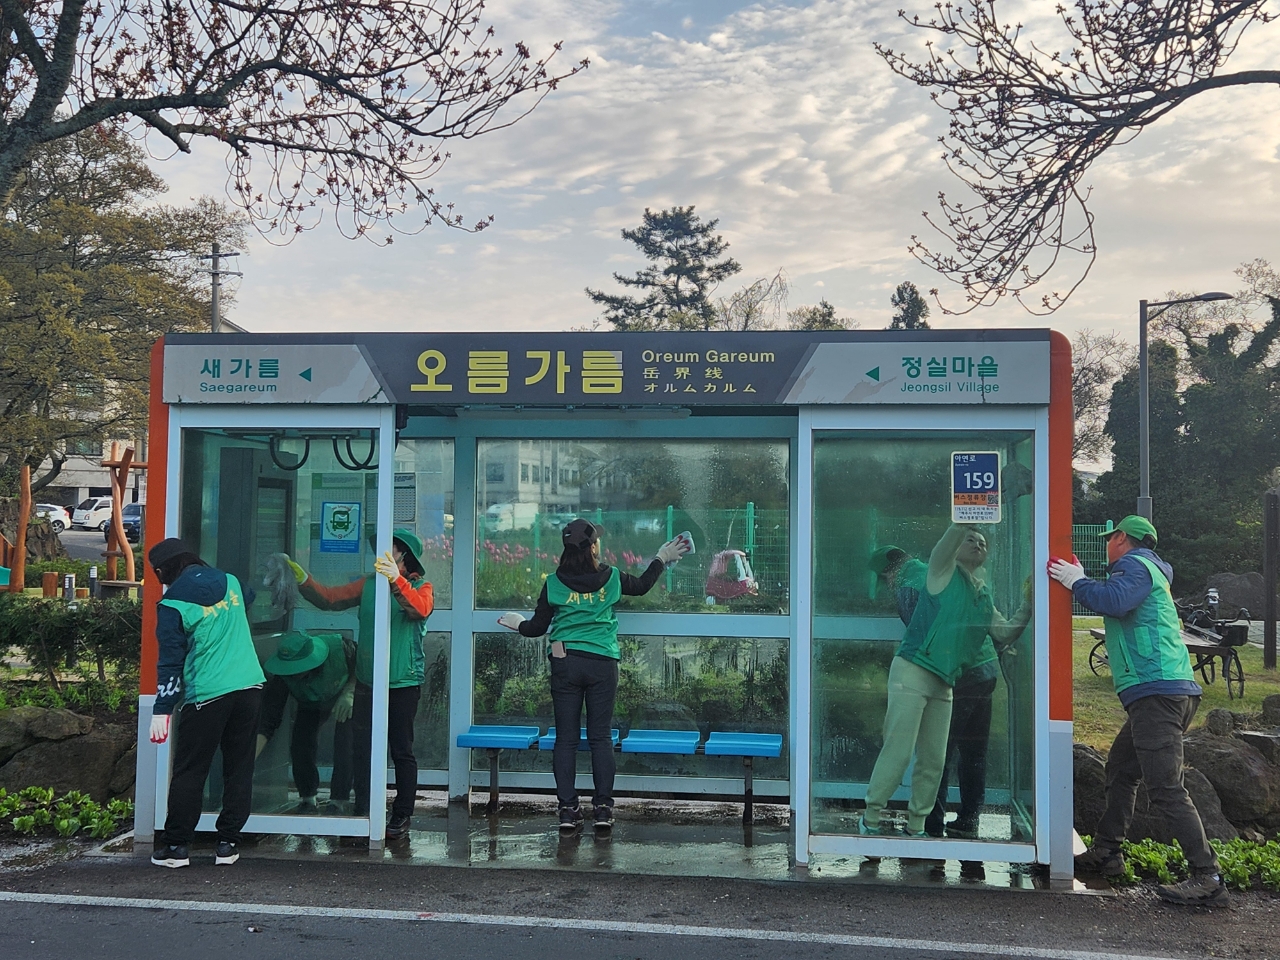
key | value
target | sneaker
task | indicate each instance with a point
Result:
(226, 854)
(1103, 860)
(570, 818)
(865, 830)
(962, 831)
(602, 817)
(168, 856)
(307, 806)
(397, 827)
(1201, 890)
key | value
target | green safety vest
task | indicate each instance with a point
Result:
(1146, 644)
(585, 621)
(221, 657)
(948, 632)
(325, 683)
(408, 663)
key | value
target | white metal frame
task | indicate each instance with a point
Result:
(908, 420)
(301, 416)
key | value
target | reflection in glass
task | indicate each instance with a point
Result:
(731, 684)
(732, 495)
(247, 499)
(881, 503)
(423, 503)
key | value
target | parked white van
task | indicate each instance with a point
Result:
(93, 514)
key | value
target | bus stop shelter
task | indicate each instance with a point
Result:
(792, 458)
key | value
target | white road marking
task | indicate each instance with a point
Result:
(559, 923)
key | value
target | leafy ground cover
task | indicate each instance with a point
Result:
(34, 812)
(1245, 864)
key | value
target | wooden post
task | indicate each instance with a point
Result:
(118, 467)
(18, 572)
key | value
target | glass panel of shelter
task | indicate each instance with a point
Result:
(246, 498)
(872, 491)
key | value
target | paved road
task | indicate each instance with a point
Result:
(83, 545)
(381, 908)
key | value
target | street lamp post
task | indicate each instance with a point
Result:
(1144, 401)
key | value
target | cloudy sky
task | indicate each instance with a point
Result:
(780, 120)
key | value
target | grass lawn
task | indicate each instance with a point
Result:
(1098, 714)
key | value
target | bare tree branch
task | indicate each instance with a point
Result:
(1027, 122)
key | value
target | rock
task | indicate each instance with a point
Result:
(1271, 710)
(1246, 590)
(1090, 788)
(58, 724)
(85, 763)
(1220, 722)
(126, 770)
(1267, 744)
(1148, 822)
(14, 732)
(1247, 785)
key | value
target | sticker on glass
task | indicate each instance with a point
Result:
(339, 527)
(975, 487)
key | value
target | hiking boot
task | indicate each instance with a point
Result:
(307, 806)
(226, 853)
(1201, 890)
(962, 831)
(570, 818)
(602, 817)
(168, 856)
(397, 827)
(1100, 859)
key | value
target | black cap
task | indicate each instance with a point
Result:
(579, 533)
(166, 550)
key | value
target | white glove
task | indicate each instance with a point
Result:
(671, 551)
(1066, 572)
(386, 565)
(160, 728)
(511, 621)
(345, 705)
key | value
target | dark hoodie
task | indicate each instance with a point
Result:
(589, 583)
(198, 584)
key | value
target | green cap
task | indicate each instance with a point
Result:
(885, 557)
(297, 653)
(1137, 527)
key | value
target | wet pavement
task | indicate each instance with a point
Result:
(660, 838)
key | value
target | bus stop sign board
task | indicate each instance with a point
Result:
(975, 487)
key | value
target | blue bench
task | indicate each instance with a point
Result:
(495, 739)
(748, 746)
(548, 742)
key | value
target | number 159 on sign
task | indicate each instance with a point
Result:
(975, 486)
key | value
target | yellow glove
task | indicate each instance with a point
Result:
(298, 573)
(387, 567)
(345, 706)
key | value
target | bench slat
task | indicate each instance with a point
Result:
(662, 741)
(499, 737)
(548, 741)
(743, 745)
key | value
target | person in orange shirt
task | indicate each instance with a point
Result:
(413, 602)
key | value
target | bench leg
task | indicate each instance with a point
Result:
(492, 808)
(747, 791)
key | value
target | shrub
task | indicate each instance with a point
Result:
(57, 635)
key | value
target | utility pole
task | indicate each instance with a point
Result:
(217, 273)
(1270, 574)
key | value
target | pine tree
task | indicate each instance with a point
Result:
(910, 309)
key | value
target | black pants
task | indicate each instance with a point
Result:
(967, 742)
(229, 722)
(1148, 748)
(574, 680)
(304, 741)
(402, 710)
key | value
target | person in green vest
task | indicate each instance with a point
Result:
(208, 668)
(576, 605)
(412, 602)
(949, 626)
(319, 673)
(1156, 686)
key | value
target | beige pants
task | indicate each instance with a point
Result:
(916, 721)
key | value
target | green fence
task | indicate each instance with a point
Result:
(1091, 550)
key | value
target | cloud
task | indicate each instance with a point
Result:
(780, 121)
